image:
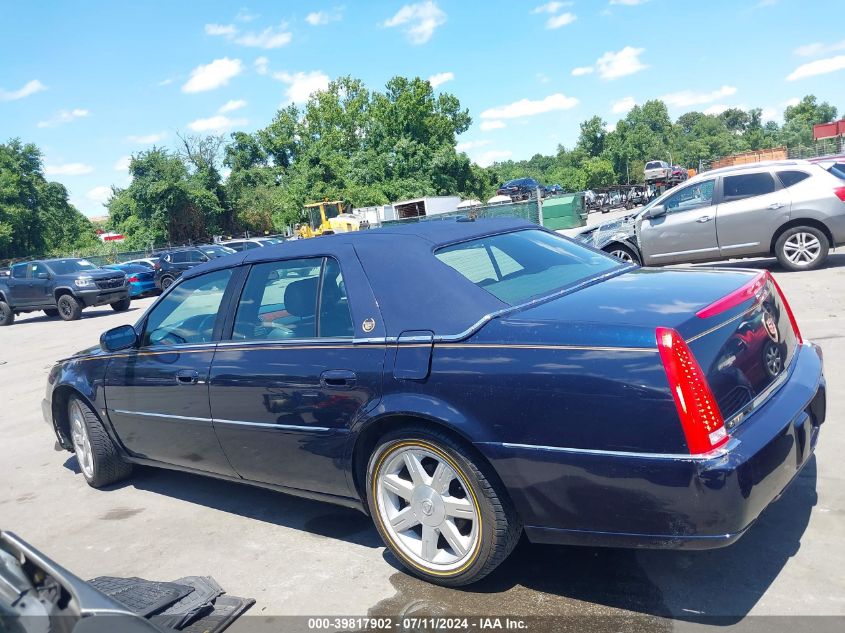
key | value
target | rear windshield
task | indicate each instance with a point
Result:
(653, 165)
(69, 266)
(515, 267)
(838, 170)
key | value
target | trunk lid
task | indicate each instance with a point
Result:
(742, 346)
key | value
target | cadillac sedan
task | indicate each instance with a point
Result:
(462, 383)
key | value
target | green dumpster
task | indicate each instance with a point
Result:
(564, 212)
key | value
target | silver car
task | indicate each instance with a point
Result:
(657, 170)
(793, 210)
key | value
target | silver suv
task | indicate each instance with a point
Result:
(657, 170)
(793, 210)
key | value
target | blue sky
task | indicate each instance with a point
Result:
(93, 82)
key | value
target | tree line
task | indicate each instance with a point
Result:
(365, 147)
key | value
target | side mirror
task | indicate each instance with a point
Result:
(656, 211)
(43, 275)
(118, 338)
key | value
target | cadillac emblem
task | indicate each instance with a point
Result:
(368, 325)
(771, 327)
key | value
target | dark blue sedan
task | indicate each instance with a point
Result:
(462, 382)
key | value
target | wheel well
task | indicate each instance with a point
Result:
(59, 292)
(821, 226)
(61, 419)
(370, 436)
(610, 245)
(2, 297)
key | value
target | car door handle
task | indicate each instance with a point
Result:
(776, 205)
(703, 219)
(187, 377)
(338, 379)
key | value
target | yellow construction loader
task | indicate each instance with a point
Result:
(328, 217)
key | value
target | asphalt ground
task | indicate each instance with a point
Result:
(301, 557)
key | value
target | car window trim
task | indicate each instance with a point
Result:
(778, 186)
(713, 201)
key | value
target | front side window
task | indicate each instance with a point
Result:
(188, 313)
(196, 256)
(747, 186)
(515, 267)
(281, 300)
(178, 257)
(19, 271)
(691, 197)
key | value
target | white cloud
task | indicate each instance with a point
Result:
(687, 98)
(147, 139)
(794, 101)
(301, 85)
(628, 3)
(610, 127)
(582, 70)
(261, 64)
(245, 16)
(485, 159)
(225, 30)
(486, 126)
(621, 63)
(818, 67)
(231, 106)
(817, 48)
(623, 105)
(122, 163)
(217, 124)
(64, 116)
(438, 79)
(770, 114)
(527, 107)
(550, 7)
(269, 38)
(468, 145)
(717, 109)
(99, 194)
(68, 169)
(420, 20)
(320, 18)
(213, 75)
(557, 21)
(29, 88)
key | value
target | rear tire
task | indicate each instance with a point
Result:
(802, 248)
(166, 282)
(51, 312)
(7, 316)
(99, 459)
(454, 528)
(69, 308)
(121, 306)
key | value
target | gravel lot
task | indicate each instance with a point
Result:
(302, 557)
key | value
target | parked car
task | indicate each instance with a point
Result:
(216, 250)
(679, 174)
(832, 164)
(794, 210)
(171, 264)
(5, 272)
(146, 262)
(60, 287)
(657, 171)
(496, 379)
(521, 189)
(245, 244)
(141, 279)
(554, 190)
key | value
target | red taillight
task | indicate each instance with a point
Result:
(840, 193)
(132, 280)
(701, 419)
(787, 308)
(746, 292)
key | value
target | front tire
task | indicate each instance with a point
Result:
(437, 509)
(802, 248)
(121, 306)
(98, 458)
(7, 316)
(623, 252)
(166, 282)
(69, 308)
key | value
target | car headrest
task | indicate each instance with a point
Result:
(301, 297)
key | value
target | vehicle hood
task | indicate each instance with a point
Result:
(97, 273)
(597, 235)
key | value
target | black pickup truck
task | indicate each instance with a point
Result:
(60, 287)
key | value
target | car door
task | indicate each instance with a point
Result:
(686, 232)
(38, 285)
(287, 387)
(17, 284)
(157, 394)
(751, 208)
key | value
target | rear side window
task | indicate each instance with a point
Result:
(792, 177)
(178, 257)
(747, 185)
(19, 271)
(515, 267)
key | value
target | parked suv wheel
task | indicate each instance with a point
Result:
(436, 509)
(166, 282)
(802, 248)
(97, 455)
(69, 308)
(121, 306)
(7, 316)
(625, 253)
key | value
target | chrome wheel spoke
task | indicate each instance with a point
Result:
(442, 477)
(398, 486)
(415, 469)
(428, 545)
(459, 508)
(456, 540)
(404, 520)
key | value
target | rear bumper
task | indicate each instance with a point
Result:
(669, 501)
(98, 297)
